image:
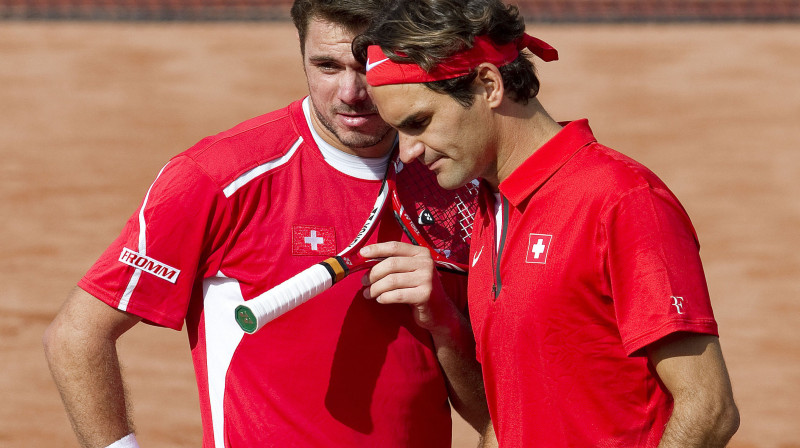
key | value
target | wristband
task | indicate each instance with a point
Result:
(128, 441)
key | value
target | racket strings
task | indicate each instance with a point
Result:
(465, 220)
(466, 209)
(447, 215)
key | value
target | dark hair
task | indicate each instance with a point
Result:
(353, 15)
(427, 31)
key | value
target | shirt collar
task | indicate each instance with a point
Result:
(546, 161)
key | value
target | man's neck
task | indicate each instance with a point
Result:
(523, 130)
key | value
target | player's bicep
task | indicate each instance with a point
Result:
(693, 370)
(688, 363)
(86, 317)
(85, 328)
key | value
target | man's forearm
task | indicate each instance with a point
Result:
(488, 438)
(412, 268)
(93, 393)
(455, 350)
(87, 374)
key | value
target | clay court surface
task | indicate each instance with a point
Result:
(90, 112)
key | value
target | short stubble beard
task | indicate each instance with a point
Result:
(358, 140)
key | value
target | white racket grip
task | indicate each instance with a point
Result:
(256, 312)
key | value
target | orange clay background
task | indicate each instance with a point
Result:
(89, 112)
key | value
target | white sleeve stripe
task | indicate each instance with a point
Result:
(261, 169)
(126, 296)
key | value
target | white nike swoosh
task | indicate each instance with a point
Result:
(476, 257)
(371, 65)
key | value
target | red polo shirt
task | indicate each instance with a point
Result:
(597, 259)
(235, 215)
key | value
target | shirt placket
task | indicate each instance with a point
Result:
(497, 250)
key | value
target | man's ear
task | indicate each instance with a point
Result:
(490, 84)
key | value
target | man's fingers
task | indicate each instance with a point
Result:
(422, 267)
(392, 249)
(399, 288)
(405, 274)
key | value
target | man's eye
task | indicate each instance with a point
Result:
(328, 67)
(418, 124)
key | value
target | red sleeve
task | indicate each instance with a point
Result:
(657, 280)
(165, 248)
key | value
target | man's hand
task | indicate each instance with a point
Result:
(408, 275)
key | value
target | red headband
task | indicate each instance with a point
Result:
(381, 70)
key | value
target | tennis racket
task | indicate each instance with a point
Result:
(430, 216)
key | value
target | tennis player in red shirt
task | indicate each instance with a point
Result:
(237, 214)
(586, 293)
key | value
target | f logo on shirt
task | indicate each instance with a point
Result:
(538, 246)
(677, 302)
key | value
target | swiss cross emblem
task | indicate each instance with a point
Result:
(313, 240)
(538, 246)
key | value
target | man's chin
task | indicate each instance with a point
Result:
(447, 182)
(359, 139)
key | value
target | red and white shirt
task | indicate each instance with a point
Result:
(230, 218)
(596, 260)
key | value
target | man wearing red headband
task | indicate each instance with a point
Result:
(586, 293)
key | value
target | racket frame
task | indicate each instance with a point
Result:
(256, 312)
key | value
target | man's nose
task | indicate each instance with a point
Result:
(352, 87)
(410, 147)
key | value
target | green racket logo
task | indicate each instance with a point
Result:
(246, 319)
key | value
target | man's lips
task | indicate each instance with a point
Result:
(355, 120)
(434, 164)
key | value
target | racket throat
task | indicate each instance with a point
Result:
(405, 229)
(336, 267)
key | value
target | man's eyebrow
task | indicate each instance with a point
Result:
(408, 121)
(321, 59)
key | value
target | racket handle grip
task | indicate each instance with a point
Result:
(256, 312)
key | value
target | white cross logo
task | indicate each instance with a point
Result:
(538, 248)
(314, 240)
